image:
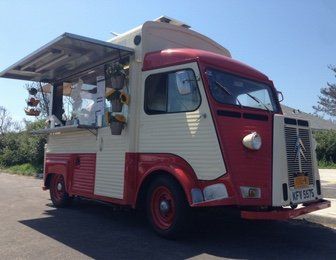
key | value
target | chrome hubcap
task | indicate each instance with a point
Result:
(164, 206)
(59, 186)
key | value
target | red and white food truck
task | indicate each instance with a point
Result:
(162, 117)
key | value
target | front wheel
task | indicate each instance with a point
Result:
(58, 194)
(167, 208)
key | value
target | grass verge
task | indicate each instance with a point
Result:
(26, 169)
(326, 165)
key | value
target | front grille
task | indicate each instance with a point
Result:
(298, 149)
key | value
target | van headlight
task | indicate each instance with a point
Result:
(252, 141)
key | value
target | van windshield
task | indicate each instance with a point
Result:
(234, 90)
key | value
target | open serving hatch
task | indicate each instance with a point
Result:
(67, 55)
(75, 69)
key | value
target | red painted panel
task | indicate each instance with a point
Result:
(244, 166)
(78, 171)
(59, 164)
(139, 166)
(286, 213)
(170, 57)
(84, 174)
(131, 177)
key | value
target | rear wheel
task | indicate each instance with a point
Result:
(58, 194)
(167, 208)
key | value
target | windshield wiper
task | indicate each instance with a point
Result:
(258, 101)
(227, 92)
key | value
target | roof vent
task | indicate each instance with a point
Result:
(166, 19)
(296, 111)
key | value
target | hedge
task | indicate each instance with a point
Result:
(326, 146)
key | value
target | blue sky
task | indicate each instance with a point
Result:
(292, 42)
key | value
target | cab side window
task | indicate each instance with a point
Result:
(171, 92)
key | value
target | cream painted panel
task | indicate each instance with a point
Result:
(188, 135)
(72, 142)
(110, 165)
(159, 36)
(280, 171)
(315, 166)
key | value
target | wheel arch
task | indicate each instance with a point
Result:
(53, 167)
(181, 178)
(47, 180)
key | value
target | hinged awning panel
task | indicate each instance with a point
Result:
(63, 57)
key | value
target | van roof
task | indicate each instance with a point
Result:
(169, 57)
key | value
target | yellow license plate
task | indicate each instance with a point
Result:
(301, 182)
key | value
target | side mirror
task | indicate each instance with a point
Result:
(280, 96)
(183, 82)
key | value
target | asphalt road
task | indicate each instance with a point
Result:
(31, 228)
(328, 182)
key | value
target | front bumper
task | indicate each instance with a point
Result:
(285, 213)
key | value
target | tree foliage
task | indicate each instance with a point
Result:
(5, 120)
(326, 146)
(327, 99)
(22, 147)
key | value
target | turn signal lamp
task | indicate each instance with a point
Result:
(252, 141)
(197, 195)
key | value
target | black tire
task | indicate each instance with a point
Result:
(172, 222)
(58, 194)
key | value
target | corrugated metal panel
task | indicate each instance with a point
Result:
(280, 170)
(61, 157)
(307, 165)
(111, 164)
(187, 135)
(292, 161)
(296, 162)
(72, 142)
(84, 174)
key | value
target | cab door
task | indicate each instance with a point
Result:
(175, 118)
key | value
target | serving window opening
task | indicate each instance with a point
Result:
(85, 78)
(85, 100)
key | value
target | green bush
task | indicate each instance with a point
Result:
(326, 165)
(326, 147)
(18, 148)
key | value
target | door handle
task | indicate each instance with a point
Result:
(204, 115)
(101, 144)
(77, 161)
